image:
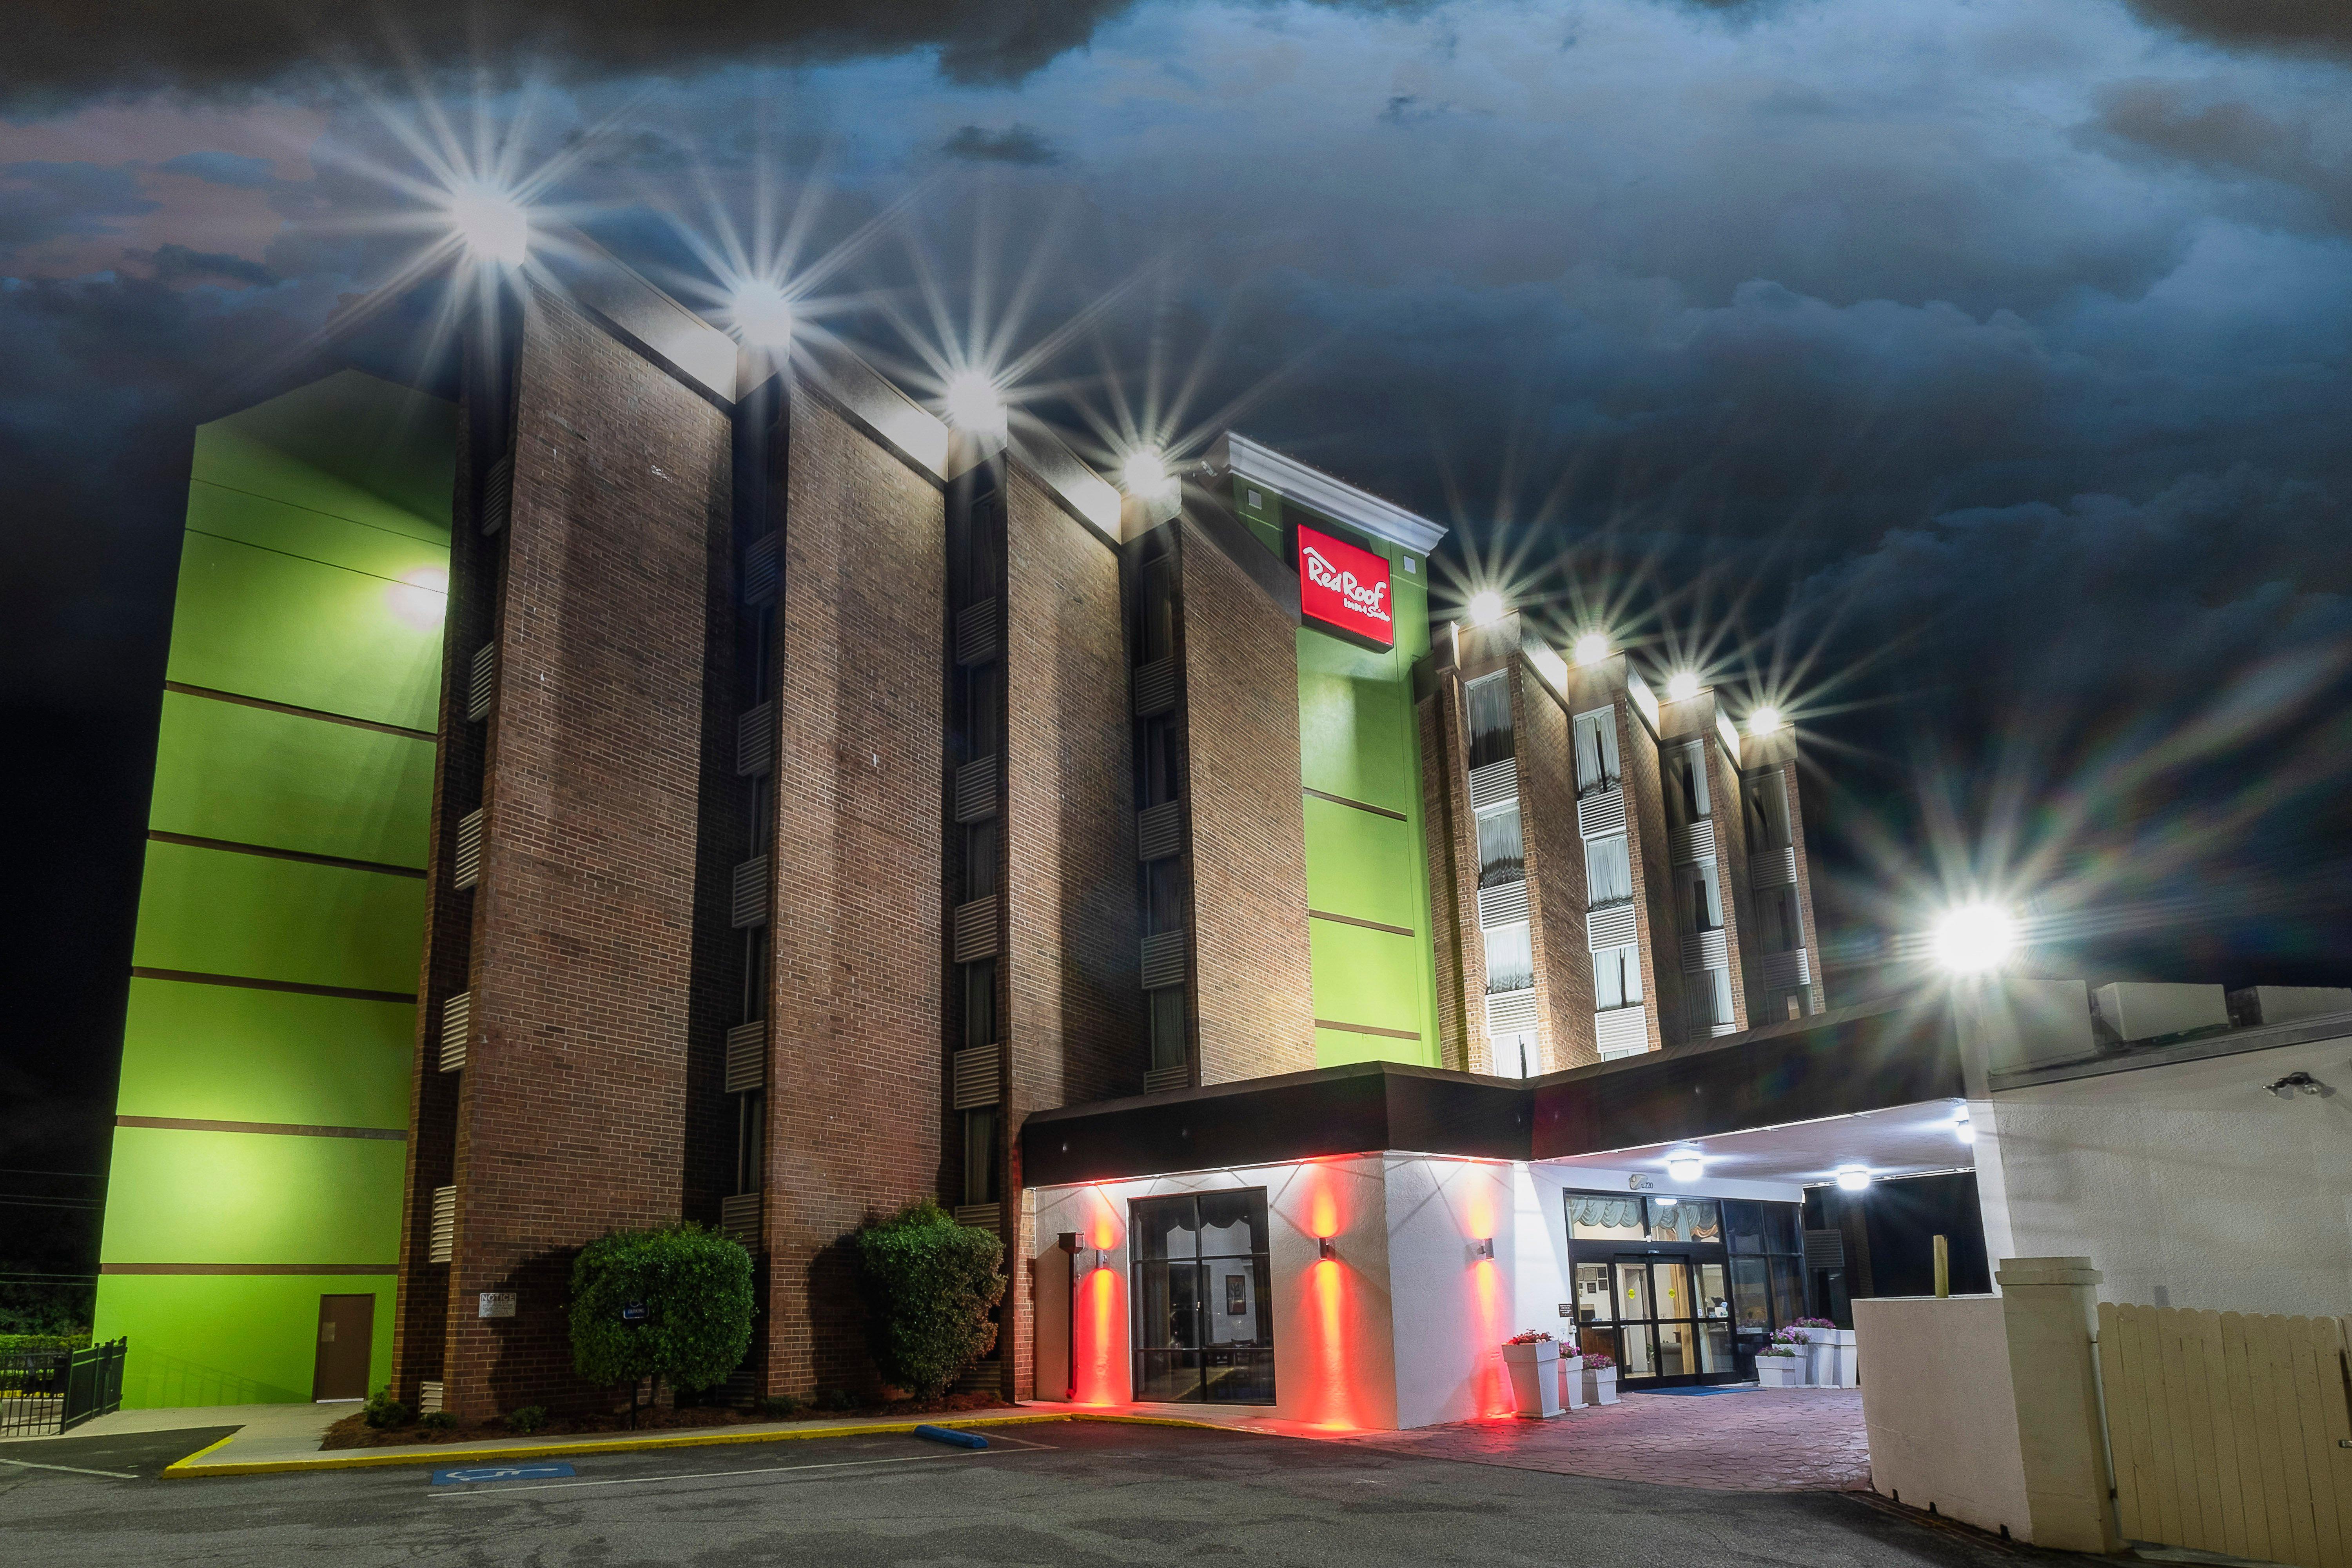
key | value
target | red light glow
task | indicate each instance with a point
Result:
(1333, 1404)
(1488, 1388)
(1097, 1340)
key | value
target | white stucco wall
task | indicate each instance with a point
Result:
(1945, 1431)
(2188, 1177)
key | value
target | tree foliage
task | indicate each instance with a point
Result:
(673, 1303)
(929, 1285)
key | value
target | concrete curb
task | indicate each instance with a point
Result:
(190, 1468)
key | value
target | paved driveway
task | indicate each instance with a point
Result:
(1767, 1440)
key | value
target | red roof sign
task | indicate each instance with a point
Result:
(1345, 587)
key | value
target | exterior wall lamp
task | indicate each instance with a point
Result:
(1326, 1252)
(1481, 1247)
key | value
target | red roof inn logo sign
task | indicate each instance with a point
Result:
(1345, 587)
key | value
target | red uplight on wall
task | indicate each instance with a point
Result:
(1345, 588)
(1097, 1337)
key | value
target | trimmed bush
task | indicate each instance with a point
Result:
(929, 1284)
(528, 1419)
(671, 1304)
(43, 1342)
(437, 1420)
(383, 1410)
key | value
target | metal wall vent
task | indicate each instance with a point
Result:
(978, 631)
(1159, 830)
(978, 1078)
(738, 1217)
(1785, 969)
(751, 906)
(1155, 688)
(1695, 842)
(747, 1057)
(1509, 1012)
(1502, 904)
(498, 495)
(1771, 868)
(1163, 960)
(980, 1216)
(1705, 950)
(443, 1244)
(1496, 783)
(1601, 812)
(1159, 1081)
(975, 930)
(755, 741)
(1621, 1031)
(760, 570)
(486, 682)
(1824, 1249)
(1611, 927)
(457, 1027)
(468, 870)
(975, 790)
(428, 1398)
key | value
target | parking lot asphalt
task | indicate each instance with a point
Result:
(1066, 1494)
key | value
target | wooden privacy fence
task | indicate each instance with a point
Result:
(2230, 1431)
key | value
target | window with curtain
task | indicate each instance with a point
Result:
(1155, 612)
(980, 1003)
(1608, 870)
(1688, 767)
(1777, 929)
(1488, 701)
(1616, 977)
(1502, 857)
(1768, 813)
(1167, 1027)
(1510, 957)
(1702, 903)
(1596, 750)
(1164, 897)
(1711, 998)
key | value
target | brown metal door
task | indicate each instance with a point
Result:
(346, 1332)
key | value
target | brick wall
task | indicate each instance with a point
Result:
(856, 1105)
(1653, 902)
(1072, 966)
(1790, 772)
(1556, 884)
(1452, 879)
(1252, 991)
(571, 1115)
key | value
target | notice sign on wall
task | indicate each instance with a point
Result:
(1345, 587)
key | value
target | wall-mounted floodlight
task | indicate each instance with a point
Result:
(1326, 1252)
(763, 316)
(1764, 722)
(1483, 1247)
(974, 404)
(1853, 1178)
(1145, 472)
(1593, 648)
(1974, 938)
(1485, 608)
(493, 224)
(1681, 686)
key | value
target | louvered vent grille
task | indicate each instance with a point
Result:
(1163, 960)
(1772, 868)
(975, 930)
(755, 741)
(1155, 688)
(1502, 904)
(977, 1076)
(442, 1244)
(457, 1027)
(1621, 1031)
(1705, 950)
(1695, 842)
(747, 1057)
(1159, 830)
(975, 790)
(1784, 969)
(979, 632)
(738, 1217)
(468, 870)
(428, 1398)
(485, 683)
(1158, 1080)
(1601, 812)
(498, 495)
(1494, 783)
(1824, 1249)
(980, 1216)
(751, 893)
(1611, 927)
(760, 571)
(1508, 1011)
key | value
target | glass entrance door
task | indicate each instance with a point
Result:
(1663, 1319)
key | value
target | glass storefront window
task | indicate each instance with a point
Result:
(1596, 1216)
(1714, 1301)
(1682, 1288)
(1685, 1219)
(1593, 1303)
(1203, 1298)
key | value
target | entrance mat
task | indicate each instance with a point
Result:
(1702, 1388)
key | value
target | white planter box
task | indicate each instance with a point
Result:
(1535, 1378)
(1571, 1382)
(1601, 1384)
(1821, 1365)
(1781, 1370)
(1849, 1358)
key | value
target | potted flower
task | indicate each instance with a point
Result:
(1600, 1378)
(1533, 1358)
(1571, 1377)
(1829, 1352)
(1781, 1363)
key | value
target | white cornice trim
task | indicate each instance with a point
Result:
(1335, 499)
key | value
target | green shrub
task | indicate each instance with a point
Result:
(437, 1420)
(780, 1407)
(528, 1419)
(42, 1341)
(929, 1284)
(383, 1410)
(674, 1303)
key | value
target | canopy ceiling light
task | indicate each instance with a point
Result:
(1853, 1178)
(1686, 1165)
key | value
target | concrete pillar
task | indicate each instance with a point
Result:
(2050, 1307)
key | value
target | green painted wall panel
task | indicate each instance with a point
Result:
(232, 461)
(229, 1339)
(1362, 865)
(224, 1053)
(371, 547)
(1369, 977)
(252, 1197)
(1356, 724)
(252, 775)
(254, 622)
(217, 911)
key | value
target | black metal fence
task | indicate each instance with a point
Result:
(44, 1391)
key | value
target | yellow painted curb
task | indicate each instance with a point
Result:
(370, 1459)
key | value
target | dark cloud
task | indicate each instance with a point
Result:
(2277, 24)
(44, 200)
(179, 264)
(2180, 122)
(225, 169)
(1013, 145)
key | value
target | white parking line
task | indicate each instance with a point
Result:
(75, 1469)
(503, 1489)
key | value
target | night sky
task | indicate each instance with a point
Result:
(1972, 380)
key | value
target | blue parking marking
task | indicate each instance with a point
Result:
(499, 1473)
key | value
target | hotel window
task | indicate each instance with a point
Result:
(1516, 1054)
(1156, 759)
(1768, 813)
(979, 1155)
(980, 1003)
(1488, 703)
(1608, 870)
(1155, 627)
(983, 710)
(1701, 902)
(1711, 999)
(1687, 767)
(983, 562)
(979, 860)
(1164, 897)
(1502, 857)
(750, 1141)
(1203, 1290)
(1617, 977)
(1777, 929)
(755, 974)
(1167, 1007)
(1596, 750)
(1510, 957)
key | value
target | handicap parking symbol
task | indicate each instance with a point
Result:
(499, 1473)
